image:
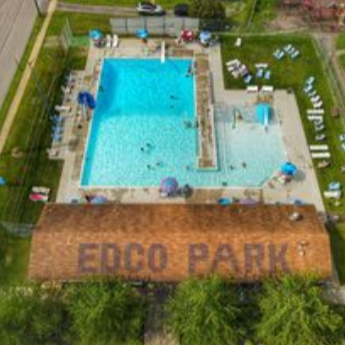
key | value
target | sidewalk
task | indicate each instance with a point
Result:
(26, 77)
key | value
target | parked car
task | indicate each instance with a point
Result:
(150, 9)
(181, 10)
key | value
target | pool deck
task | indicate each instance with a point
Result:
(303, 187)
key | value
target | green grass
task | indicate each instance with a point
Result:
(342, 61)
(265, 12)
(18, 75)
(337, 236)
(80, 23)
(14, 252)
(340, 42)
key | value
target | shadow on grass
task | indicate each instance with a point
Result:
(337, 236)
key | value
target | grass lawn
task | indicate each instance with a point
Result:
(342, 61)
(265, 11)
(337, 236)
(340, 42)
(14, 253)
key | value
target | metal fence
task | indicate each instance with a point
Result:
(156, 26)
(170, 26)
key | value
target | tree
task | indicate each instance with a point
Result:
(206, 9)
(294, 313)
(205, 312)
(30, 315)
(105, 312)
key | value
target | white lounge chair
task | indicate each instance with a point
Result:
(238, 42)
(320, 155)
(108, 41)
(116, 41)
(62, 108)
(261, 65)
(315, 99)
(233, 62)
(315, 111)
(318, 148)
(318, 105)
(332, 194)
(315, 118)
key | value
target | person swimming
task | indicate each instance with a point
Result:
(244, 165)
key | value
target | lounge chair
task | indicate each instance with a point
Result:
(268, 75)
(248, 78)
(287, 47)
(335, 194)
(267, 89)
(316, 118)
(260, 73)
(318, 105)
(315, 99)
(261, 65)
(116, 41)
(315, 112)
(311, 80)
(334, 185)
(318, 148)
(295, 55)
(308, 88)
(342, 137)
(41, 190)
(320, 155)
(233, 62)
(108, 41)
(238, 42)
(320, 137)
(319, 128)
(312, 93)
(323, 164)
(62, 108)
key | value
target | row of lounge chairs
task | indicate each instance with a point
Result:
(237, 70)
(288, 50)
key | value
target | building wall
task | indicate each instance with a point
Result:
(17, 18)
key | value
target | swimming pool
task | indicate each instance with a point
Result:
(138, 133)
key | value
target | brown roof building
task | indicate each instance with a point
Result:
(169, 243)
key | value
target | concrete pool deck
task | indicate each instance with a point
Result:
(304, 187)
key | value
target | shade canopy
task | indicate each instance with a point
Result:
(288, 169)
(205, 35)
(142, 33)
(86, 98)
(95, 34)
(99, 199)
(169, 185)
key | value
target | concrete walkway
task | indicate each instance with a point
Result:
(26, 77)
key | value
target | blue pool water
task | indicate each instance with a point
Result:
(138, 134)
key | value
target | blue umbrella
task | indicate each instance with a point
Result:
(142, 33)
(169, 185)
(225, 201)
(289, 169)
(205, 36)
(99, 199)
(95, 34)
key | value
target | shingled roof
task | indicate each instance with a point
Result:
(172, 242)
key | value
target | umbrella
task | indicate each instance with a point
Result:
(289, 169)
(99, 199)
(169, 185)
(248, 201)
(95, 34)
(225, 201)
(205, 36)
(142, 33)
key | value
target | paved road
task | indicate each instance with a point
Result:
(17, 18)
(26, 76)
(111, 10)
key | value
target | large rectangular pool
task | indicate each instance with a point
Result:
(140, 132)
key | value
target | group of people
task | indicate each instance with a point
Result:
(244, 166)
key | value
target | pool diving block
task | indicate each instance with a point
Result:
(315, 111)
(252, 89)
(318, 148)
(320, 155)
(267, 89)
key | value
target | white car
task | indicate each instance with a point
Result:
(148, 8)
